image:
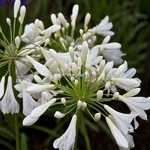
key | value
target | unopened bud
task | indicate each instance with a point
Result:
(87, 19)
(16, 7)
(99, 94)
(107, 85)
(84, 105)
(46, 96)
(58, 114)
(79, 104)
(63, 100)
(115, 96)
(76, 82)
(17, 41)
(97, 116)
(8, 21)
(22, 14)
(38, 79)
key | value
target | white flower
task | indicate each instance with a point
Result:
(92, 56)
(28, 102)
(37, 112)
(122, 121)
(111, 52)
(136, 103)
(104, 27)
(30, 34)
(119, 137)
(8, 102)
(67, 140)
(125, 78)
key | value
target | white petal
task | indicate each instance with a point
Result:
(112, 46)
(56, 57)
(2, 86)
(120, 139)
(38, 111)
(39, 67)
(28, 121)
(127, 82)
(36, 88)
(132, 92)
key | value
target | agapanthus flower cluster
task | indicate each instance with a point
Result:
(55, 67)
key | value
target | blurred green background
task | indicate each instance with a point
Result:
(131, 24)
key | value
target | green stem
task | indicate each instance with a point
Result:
(12, 72)
(85, 134)
(17, 132)
(77, 129)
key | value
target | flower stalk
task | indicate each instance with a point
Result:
(85, 134)
(16, 123)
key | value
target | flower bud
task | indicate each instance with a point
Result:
(115, 96)
(22, 14)
(84, 105)
(87, 19)
(17, 41)
(107, 85)
(63, 100)
(97, 116)
(79, 104)
(8, 21)
(16, 7)
(58, 114)
(99, 94)
(46, 96)
(38, 79)
(76, 82)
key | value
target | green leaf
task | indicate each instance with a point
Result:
(4, 132)
(6, 144)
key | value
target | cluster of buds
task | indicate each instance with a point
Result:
(44, 63)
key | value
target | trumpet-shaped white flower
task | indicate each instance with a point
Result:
(37, 112)
(136, 103)
(8, 102)
(67, 140)
(112, 52)
(122, 121)
(104, 27)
